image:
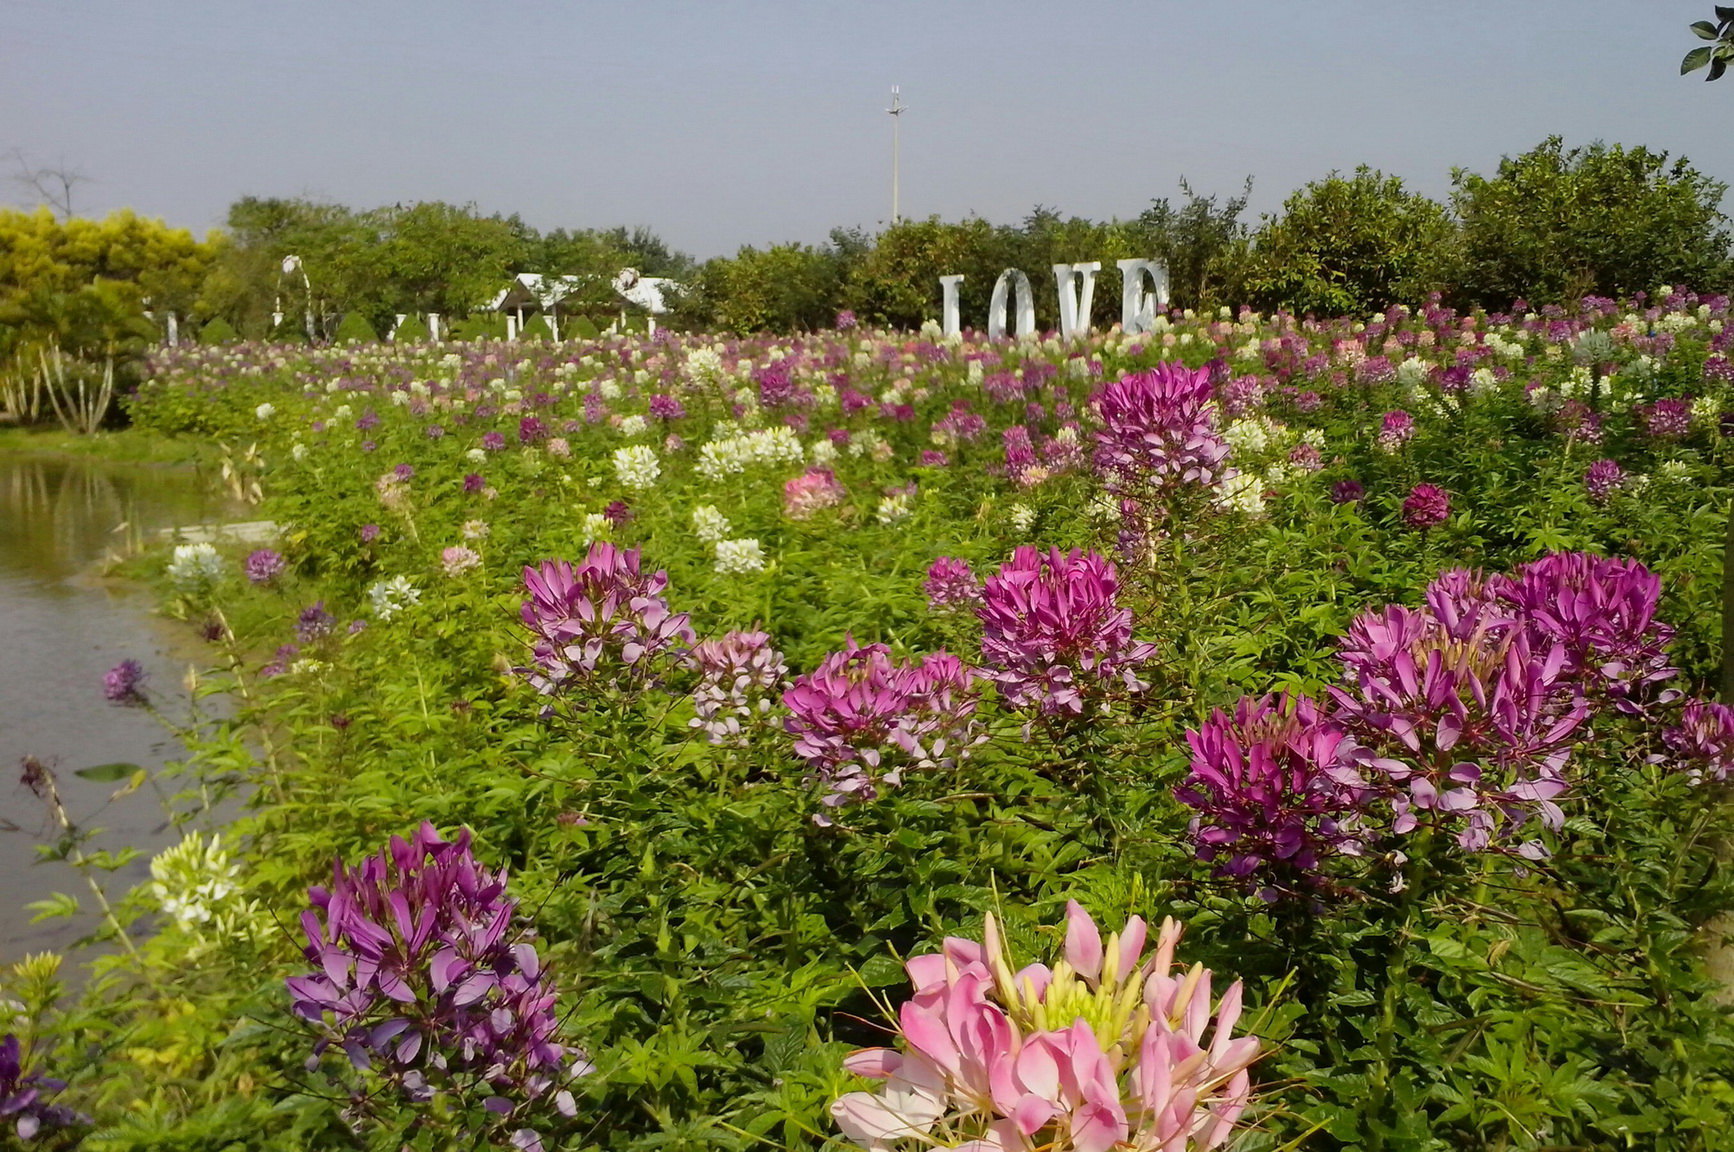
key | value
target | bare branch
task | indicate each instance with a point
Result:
(53, 185)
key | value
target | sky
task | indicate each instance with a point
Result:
(721, 123)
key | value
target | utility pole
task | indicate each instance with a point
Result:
(896, 111)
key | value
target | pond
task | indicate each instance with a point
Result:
(62, 625)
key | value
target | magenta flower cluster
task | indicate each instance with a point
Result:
(600, 619)
(1426, 506)
(1602, 478)
(124, 684)
(1459, 716)
(1158, 434)
(1267, 791)
(1054, 635)
(421, 977)
(951, 584)
(1702, 744)
(860, 719)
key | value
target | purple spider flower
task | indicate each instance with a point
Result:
(1265, 786)
(473, 482)
(588, 622)
(493, 441)
(1602, 478)
(123, 684)
(1703, 742)
(531, 430)
(1054, 632)
(739, 678)
(950, 584)
(24, 1096)
(369, 533)
(1602, 610)
(421, 976)
(1397, 429)
(1426, 506)
(1348, 492)
(1668, 419)
(264, 565)
(1159, 433)
(1463, 722)
(859, 712)
(665, 407)
(314, 623)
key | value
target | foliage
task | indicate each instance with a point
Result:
(1719, 51)
(1557, 223)
(1348, 246)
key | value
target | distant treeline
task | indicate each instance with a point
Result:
(1551, 224)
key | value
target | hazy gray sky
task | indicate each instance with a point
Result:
(725, 123)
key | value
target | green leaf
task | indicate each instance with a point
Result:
(107, 773)
(1717, 67)
(1705, 30)
(56, 907)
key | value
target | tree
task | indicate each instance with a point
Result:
(1719, 52)
(1349, 245)
(1202, 244)
(52, 185)
(1556, 224)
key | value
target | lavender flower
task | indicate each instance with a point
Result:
(1396, 430)
(1601, 478)
(605, 611)
(1703, 742)
(420, 977)
(1427, 506)
(314, 622)
(859, 712)
(24, 1096)
(263, 566)
(1668, 419)
(1266, 784)
(1602, 611)
(1462, 721)
(950, 584)
(123, 684)
(739, 675)
(1159, 433)
(1054, 632)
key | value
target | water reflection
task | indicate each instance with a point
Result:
(61, 628)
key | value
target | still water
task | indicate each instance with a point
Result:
(61, 627)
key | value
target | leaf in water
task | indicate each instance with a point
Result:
(107, 773)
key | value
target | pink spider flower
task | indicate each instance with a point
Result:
(1464, 723)
(1158, 434)
(1107, 1049)
(1269, 809)
(585, 620)
(860, 719)
(1054, 632)
(812, 490)
(1703, 742)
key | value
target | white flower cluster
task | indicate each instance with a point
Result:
(636, 466)
(1506, 349)
(1253, 435)
(265, 411)
(734, 557)
(709, 524)
(732, 455)
(1411, 372)
(823, 452)
(195, 567)
(1021, 517)
(592, 528)
(703, 365)
(389, 597)
(894, 508)
(192, 880)
(1482, 382)
(633, 425)
(1242, 492)
(868, 442)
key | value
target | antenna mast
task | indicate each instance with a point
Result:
(896, 110)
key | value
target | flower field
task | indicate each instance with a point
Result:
(698, 742)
